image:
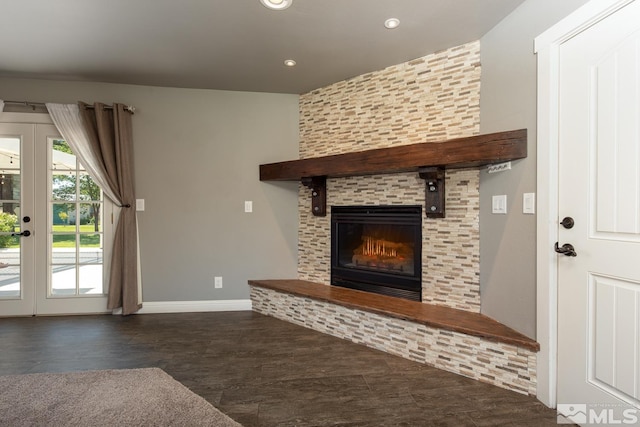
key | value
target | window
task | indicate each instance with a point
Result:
(77, 232)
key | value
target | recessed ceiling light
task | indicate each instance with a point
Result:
(289, 62)
(276, 4)
(392, 23)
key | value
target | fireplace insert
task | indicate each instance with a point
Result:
(377, 249)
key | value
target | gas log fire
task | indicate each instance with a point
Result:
(377, 249)
(383, 255)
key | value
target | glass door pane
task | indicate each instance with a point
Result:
(10, 189)
(17, 268)
(76, 232)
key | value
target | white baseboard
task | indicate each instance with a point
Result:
(156, 307)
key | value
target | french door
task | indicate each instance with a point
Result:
(54, 239)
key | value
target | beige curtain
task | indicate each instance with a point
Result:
(109, 133)
(102, 139)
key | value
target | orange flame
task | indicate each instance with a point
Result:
(373, 247)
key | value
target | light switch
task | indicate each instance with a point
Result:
(248, 206)
(529, 203)
(499, 204)
(139, 205)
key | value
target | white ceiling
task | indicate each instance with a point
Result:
(230, 44)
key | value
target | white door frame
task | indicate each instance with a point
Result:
(547, 47)
(30, 118)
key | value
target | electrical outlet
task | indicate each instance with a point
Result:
(217, 282)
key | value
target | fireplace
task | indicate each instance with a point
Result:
(377, 249)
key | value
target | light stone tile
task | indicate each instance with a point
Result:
(428, 99)
(481, 359)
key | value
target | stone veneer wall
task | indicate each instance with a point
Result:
(433, 98)
(500, 364)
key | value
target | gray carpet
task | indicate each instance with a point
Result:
(128, 397)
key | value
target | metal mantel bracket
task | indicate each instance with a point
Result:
(318, 186)
(434, 192)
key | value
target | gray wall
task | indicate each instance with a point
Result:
(508, 101)
(196, 157)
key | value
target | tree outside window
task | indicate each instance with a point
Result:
(75, 186)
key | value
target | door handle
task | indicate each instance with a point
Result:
(567, 249)
(25, 233)
(567, 222)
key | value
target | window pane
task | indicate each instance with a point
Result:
(9, 251)
(64, 217)
(89, 190)
(63, 186)
(63, 156)
(9, 214)
(9, 277)
(91, 243)
(9, 224)
(90, 217)
(91, 279)
(65, 253)
(63, 280)
(9, 185)
(10, 153)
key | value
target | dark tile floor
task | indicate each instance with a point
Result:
(265, 372)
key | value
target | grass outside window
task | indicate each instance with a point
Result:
(60, 240)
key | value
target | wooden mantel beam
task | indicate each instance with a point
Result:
(473, 151)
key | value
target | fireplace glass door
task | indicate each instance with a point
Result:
(377, 249)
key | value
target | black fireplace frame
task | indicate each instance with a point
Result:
(385, 283)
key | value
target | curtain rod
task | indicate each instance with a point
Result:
(129, 108)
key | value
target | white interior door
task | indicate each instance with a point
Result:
(599, 188)
(59, 268)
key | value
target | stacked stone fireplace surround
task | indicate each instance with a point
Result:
(433, 98)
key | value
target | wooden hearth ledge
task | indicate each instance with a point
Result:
(452, 319)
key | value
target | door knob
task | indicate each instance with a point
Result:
(567, 249)
(567, 222)
(25, 233)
